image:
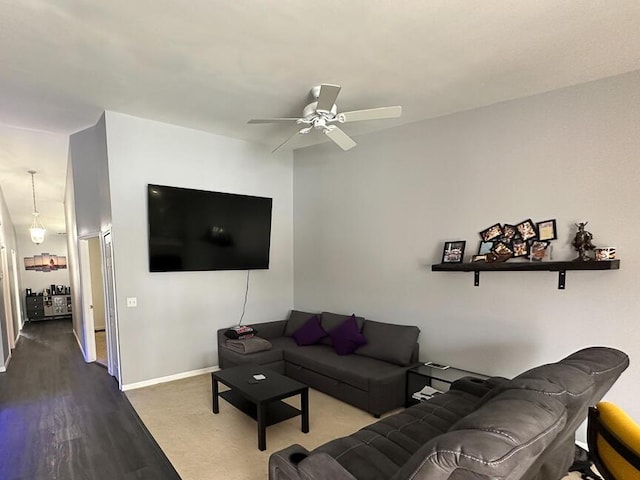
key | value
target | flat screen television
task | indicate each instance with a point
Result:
(194, 230)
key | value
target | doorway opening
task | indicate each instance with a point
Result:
(100, 326)
(97, 300)
(5, 300)
(99, 331)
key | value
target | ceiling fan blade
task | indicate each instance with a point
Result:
(283, 143)
(327, 97)
(341, 139)
(272, 120)
(370, 114)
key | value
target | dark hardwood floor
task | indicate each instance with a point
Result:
(61, 418)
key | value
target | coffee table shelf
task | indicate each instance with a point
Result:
(277, 412)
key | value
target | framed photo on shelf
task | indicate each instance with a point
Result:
(547, 230)
(502, 249)
(492, 232)
(520, 248)
(485, 247)
(453, 252)
(538, 251)
(527, 230)
(509, 232)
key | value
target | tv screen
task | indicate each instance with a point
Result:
(191, 230)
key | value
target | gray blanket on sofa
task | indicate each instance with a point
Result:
(248, 345)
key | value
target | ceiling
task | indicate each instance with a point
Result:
(212, 65)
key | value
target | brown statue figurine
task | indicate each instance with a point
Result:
(582, 243)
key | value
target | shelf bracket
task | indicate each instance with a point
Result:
(476, 278)
(562, 278)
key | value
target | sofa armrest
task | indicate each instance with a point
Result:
(297, 463)
(265, 330)
(387, 392)
(415, 355)
(322, 466)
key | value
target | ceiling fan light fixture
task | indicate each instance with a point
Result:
(37, 230)
(322, 115)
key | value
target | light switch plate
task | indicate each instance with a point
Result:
(132, 302)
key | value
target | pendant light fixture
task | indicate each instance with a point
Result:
(36, 230)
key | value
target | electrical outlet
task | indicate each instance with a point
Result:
(132, 302)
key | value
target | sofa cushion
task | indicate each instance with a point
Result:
(346, 338)
(334, 320)
(389, 342)
(322, 359)
(309, 333)
(296, 320)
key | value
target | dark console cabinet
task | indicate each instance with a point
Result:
(45, 307)
(35, 307)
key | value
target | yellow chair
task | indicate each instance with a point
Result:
(614, 442)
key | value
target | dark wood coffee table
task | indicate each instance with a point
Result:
(262, 399)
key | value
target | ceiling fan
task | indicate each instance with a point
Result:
(322, 114)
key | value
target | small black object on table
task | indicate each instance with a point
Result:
(261, 399)
(422, 375)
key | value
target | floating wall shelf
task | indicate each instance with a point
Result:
(560, 267)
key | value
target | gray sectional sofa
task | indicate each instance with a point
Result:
(519, 429)
(373, 378)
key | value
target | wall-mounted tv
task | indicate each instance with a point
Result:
(192, 230)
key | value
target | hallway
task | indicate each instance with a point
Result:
(61, 418)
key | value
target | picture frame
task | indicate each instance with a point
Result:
(485, 247)
(493, 232)
(509, 232)
(538, 250)
(521, 248)
(547, 230)
(45, 262)
(453, 251)
(527, 230)
(502, 249)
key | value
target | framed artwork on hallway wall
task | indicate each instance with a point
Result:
(45, 262)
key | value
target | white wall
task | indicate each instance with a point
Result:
(9, 242)
(173, 328)
(369, 222)
(37, 281)
(87, 207)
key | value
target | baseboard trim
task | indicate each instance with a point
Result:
(168, 378)
(6, 364)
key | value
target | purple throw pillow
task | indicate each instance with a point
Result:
(309, 333)
(346, 337)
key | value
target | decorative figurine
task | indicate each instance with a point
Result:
(582, 243)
